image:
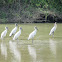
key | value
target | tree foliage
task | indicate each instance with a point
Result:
(57, 4)
(25, 7)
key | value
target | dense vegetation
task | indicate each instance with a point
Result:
(30, 11)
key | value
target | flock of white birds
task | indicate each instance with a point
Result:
(31, 35)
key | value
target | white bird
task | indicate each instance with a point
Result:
(14, 30)
(53, 29)
(3, 34)
(31, 35)
(17, 34)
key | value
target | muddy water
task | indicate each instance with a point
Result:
(44, 48)
(49, 50)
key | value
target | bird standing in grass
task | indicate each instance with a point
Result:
(14, 30)
(3, 34)
(17, 34)
(31, 35)
(53, 30)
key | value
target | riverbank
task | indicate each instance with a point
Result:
(16, 12)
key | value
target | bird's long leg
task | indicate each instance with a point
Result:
(17, 38)
(2, 38)
(53, 34)
(32, 40)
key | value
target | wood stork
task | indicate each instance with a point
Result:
(31, 35)
(17, 34)
(3, 34)
(53, 30)
(14, 30)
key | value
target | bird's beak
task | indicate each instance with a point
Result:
(18, 26)
(22, 29)
(37, 28)
(8, 29)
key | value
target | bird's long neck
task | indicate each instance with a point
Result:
(6, 29)
(55, 25)
(15, 27)
(35, 30)
(20, 30)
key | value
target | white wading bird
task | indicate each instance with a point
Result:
(53, 29)
(14, 30)
(17, 34)
(31, 35)
(3, 34)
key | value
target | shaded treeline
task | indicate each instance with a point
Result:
(30, 11)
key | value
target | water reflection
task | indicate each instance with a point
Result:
(14, 50)
(41, 51)
(4, 50)
(32, 52)
(52, 45)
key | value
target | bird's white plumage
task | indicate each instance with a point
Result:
(31, 35)
(3, 34)
(53, 29)
(13, 31)
(17, 34)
